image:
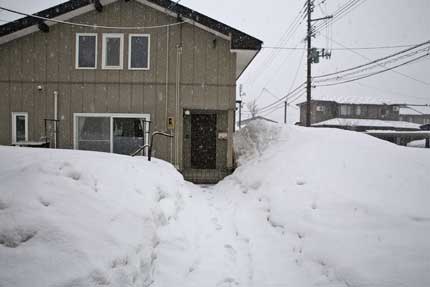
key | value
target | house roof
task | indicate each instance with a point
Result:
(415, 110)
(341, 122)
(258, 118)
(239, 40)
(354, 100)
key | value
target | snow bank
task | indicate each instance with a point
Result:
(342, 209)
(70, 218)
(306, 207)
(417, 144)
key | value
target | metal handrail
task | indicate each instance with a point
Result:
(141, 148)
(149, 146)
(157, 133)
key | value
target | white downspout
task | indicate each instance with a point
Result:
(167, 89)
(55, 117)
(178, 78)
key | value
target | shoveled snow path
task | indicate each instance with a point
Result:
(315, 207)
(219, 240)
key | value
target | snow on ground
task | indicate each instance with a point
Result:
(417, 143)
(70, 218)
(306, 207)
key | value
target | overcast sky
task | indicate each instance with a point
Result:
(373, 23)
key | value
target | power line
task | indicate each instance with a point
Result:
(367, 67)
(367, 58)
(377, 60)
(340, 13)
(89, 25)
(294, 92)
(285, 38)
(376, 73)
(343, 49)
(276, 73)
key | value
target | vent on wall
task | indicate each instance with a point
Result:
(320, 108)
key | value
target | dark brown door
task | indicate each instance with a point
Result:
(203, 141)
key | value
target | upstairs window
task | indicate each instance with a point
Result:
(19, 127)
(138, 52)
(112, 55)
(345, 110)
(358, 111)
(86, 51)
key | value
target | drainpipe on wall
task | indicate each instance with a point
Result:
(178, 78)
(55, 117)
(167, 90)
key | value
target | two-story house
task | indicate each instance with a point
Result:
(355, 114)
(109, 72)
(415, 114)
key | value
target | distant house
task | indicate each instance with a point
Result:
(109, 87)
(323, 109)
(379, 118)
(362, 125)
(415, 114)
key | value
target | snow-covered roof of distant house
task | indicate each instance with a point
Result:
(367, 123)
(413, 110)
(347, 99)
(258, 118)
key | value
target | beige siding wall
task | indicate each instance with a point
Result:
(207, 75)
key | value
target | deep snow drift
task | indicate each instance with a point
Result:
(71, 218)
(306, 207)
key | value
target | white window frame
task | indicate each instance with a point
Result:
(119, 36)
(358, 110)
(77, 51)
(149, 51)
(14, 116)
(111, 116)
(347, 110)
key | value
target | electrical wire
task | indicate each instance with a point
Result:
(94, 26)
(377, 60)
(376, 73)
(367, 58)
(340, 13)
(285, 38)
(277, 73)
(344, 49)
(388, 62)
(294, 92)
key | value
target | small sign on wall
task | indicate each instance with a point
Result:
(170, 123)
(222, 136)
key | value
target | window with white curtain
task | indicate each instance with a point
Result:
(112, 54)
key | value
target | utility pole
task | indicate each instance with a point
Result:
(285, 111)
(313, 57)
(309, 64)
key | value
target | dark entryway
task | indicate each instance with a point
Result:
(203, 141)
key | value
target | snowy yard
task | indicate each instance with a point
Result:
(306, 207)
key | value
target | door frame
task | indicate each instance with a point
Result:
(186, 165)
(111, 117)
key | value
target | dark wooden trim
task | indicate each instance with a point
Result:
(240, 40)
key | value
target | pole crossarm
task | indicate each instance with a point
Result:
(322, 18)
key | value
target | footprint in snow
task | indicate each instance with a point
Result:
(231, 252)
(216, 224)
(227, 282)
(300, 181)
